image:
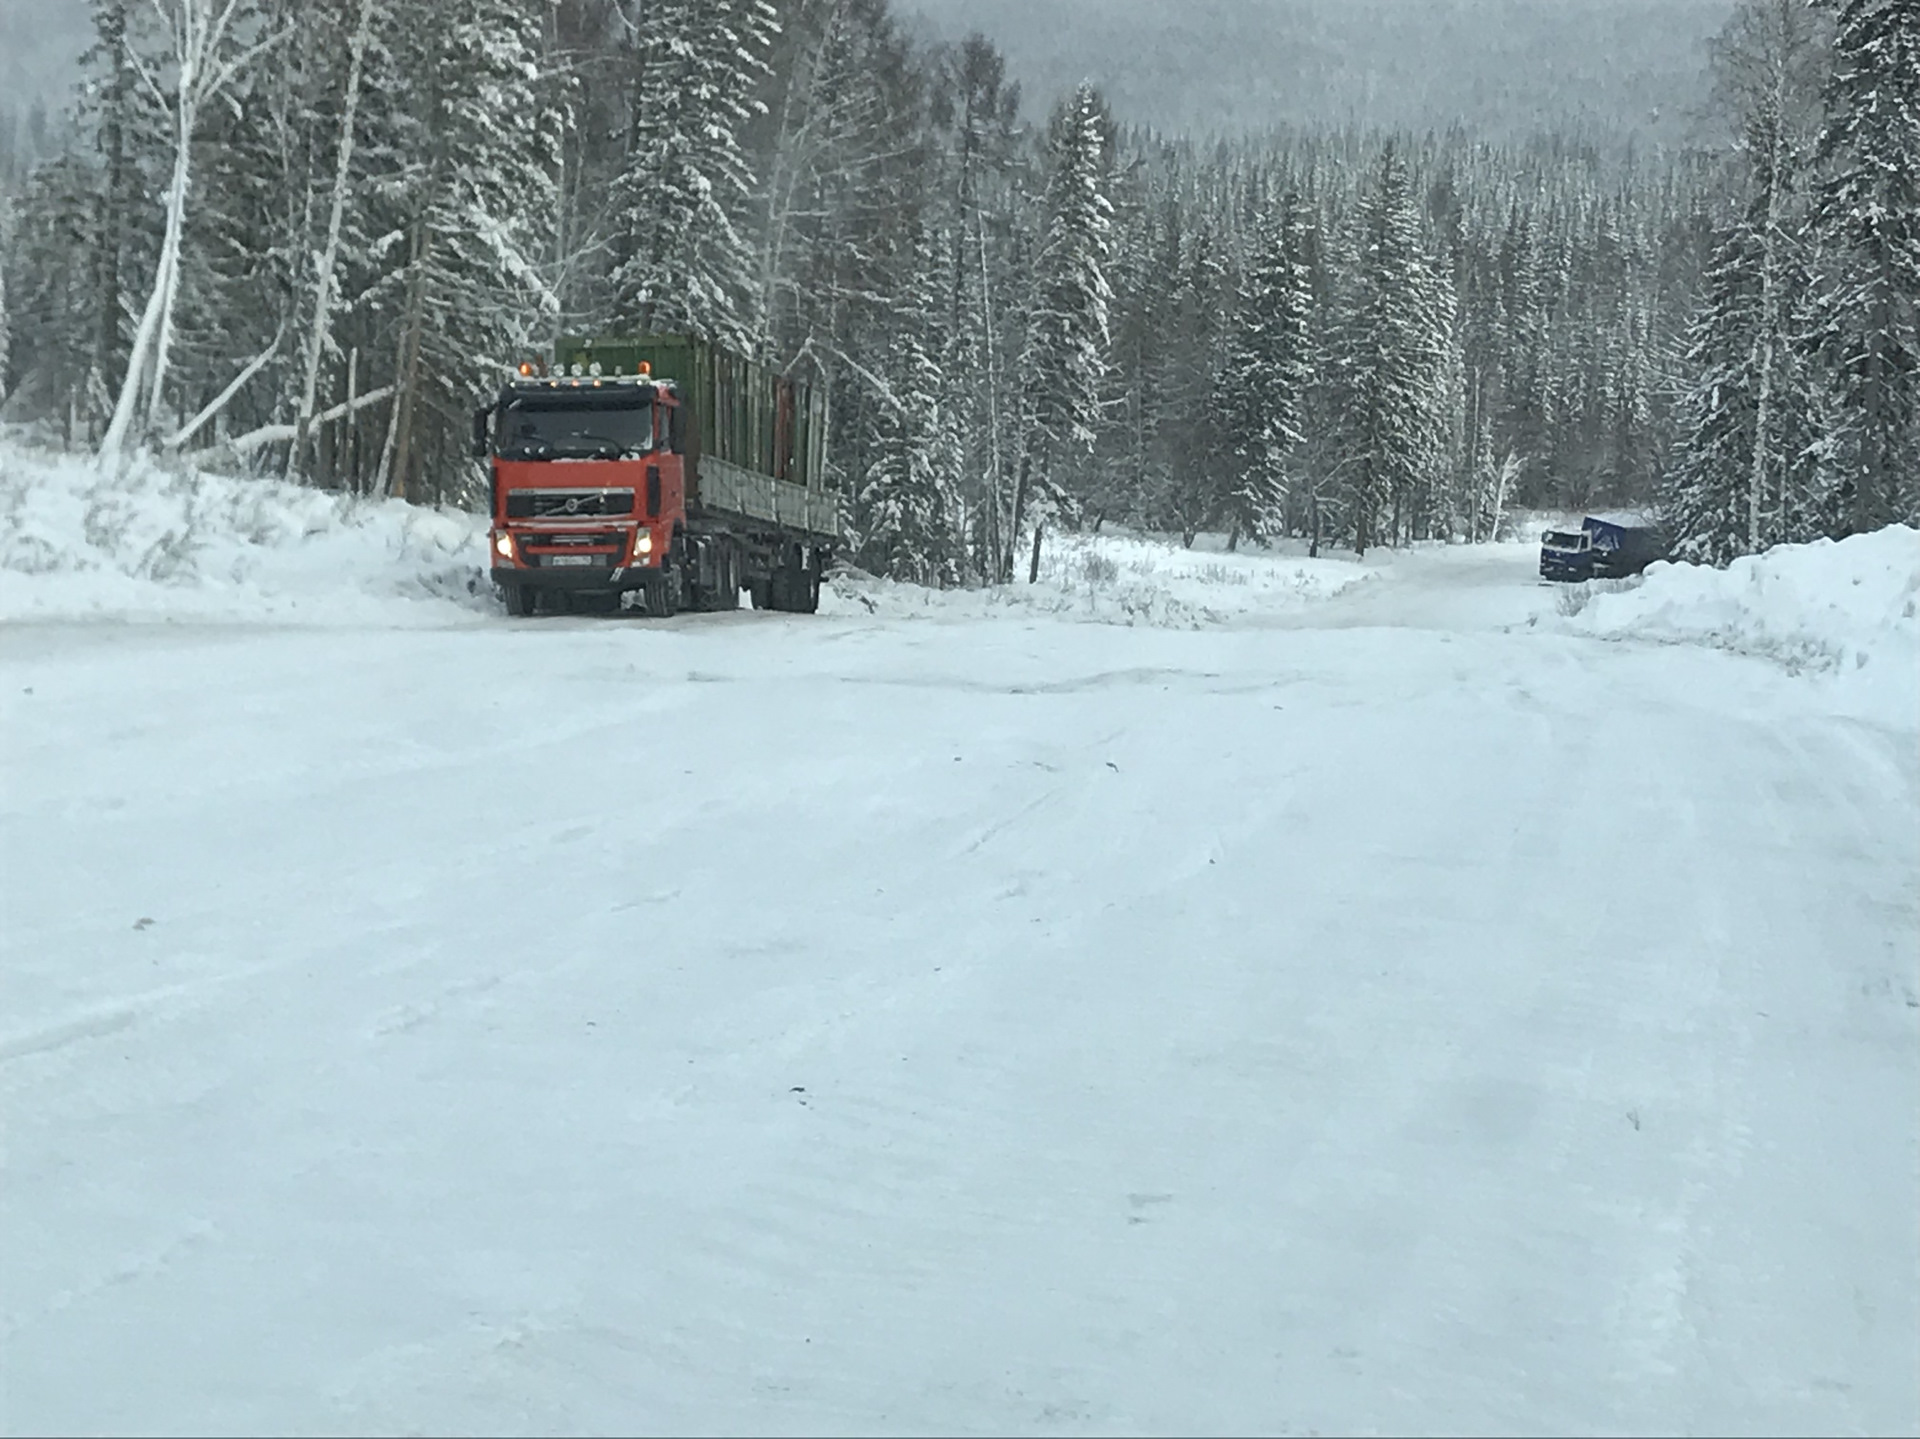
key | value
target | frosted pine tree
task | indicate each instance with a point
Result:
(478, 206)
(51, 281)
(1709, 500)
(1750, 472)
(685, 262)
(1262, 389)
(908, 502)
(1868, 215)
(1392, 378)
(1067, 329)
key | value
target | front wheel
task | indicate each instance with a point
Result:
(520, 600)
(663, 594)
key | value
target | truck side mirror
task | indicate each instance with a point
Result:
(480, 434)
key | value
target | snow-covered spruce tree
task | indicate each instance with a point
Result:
(50, 277)
(1394, 346)
(1868, 217)
(477, 211)
(1064, 363)
(1195, 339)
(1709, 503)
(979, 140)
(1750, 473)
(1262, 389)
(685, 261)
(908, 503)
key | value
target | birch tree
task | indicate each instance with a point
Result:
(323, 283)
(200, 62)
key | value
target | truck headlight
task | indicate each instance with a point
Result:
(503, 545)
(643, 543)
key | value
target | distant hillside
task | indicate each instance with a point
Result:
(1502, 68)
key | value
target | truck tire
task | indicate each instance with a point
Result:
(761, 592)
(520, 600)
(663, 594)
(795, 585)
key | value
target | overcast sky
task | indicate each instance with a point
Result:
(39, 43)
(1499, 66)
(1503, 68)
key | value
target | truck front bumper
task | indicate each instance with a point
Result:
(572, 577)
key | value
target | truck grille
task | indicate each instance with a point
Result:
(556, 551)
(560, 504)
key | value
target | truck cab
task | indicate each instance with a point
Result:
(588, 492)
(1566, 556)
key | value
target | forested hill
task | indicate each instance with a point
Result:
(1027, 313)
(1620, 71)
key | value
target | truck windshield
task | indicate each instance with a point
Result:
(544, 429)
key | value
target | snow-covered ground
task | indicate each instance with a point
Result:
(1847, 611)
(1379, 1002)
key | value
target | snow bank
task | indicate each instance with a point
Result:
(1121, 579)
(149, 543)
(1845, 610)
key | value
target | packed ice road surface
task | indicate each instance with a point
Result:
(1390, 1010)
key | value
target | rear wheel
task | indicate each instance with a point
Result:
(796, 585)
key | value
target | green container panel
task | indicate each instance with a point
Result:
(746, 413)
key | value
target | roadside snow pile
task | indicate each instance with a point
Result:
(1846, 609)
(1120, 579)
(151, 544)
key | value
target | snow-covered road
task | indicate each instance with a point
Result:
(1389, 1016)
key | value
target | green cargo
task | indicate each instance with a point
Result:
(747, 414)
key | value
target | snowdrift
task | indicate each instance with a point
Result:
(153, 544)
(1844, 610)
(1122, 579)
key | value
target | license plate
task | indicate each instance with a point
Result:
(570, 559)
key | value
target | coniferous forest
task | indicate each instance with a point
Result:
(305, 237)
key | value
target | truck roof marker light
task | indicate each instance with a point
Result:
(526, 367)
(646, 368)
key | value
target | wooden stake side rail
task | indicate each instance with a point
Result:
(731, 489)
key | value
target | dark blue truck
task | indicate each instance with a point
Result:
(1605, 547)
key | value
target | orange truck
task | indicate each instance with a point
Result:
(657, 472)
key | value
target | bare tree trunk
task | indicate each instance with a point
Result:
(996, 515)
(198, 33)
(1019, 507)
(349, 442)
(395, 454)
(329, 256)
(159, 299)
